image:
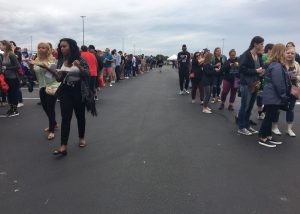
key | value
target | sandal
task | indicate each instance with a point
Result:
(47, 129)
(82, 143)
(51, 136)
(59, 152)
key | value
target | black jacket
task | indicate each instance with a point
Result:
(230, 72)
(197, 69)
(208, 74)
(247, 68)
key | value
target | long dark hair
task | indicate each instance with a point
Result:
(74, 51)
(255, 40)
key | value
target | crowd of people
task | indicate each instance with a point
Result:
(71, 74)
(269, 76)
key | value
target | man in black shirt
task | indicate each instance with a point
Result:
(184, 58)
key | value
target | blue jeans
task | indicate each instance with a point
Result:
(247, 103)
(217, 85)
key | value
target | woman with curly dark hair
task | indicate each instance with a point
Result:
(74, 94)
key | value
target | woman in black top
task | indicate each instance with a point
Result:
(196, 74)
(10, 68)
(74, 93)
(230, 71)
(208, 76)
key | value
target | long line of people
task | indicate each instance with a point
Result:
(269, 76)
(71, 74)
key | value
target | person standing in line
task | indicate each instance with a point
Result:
(196, 75)
(251, 68)
(265, 56)
(218, 61)
(107, 67)
(128, 66)
(208, 75)
(74, 92)
(47, 84)
(122, 66)
(160, 63)
(292, 45)
(293, 72)
(10, 67)
(17, 51)
(184, 58)
(117, 61)
(134, 66)
(93, 66)
(230, 71)
(275, 94)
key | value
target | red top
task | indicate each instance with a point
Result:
(92, 62)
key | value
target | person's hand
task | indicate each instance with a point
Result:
(3, 67)
(217, 69)
(42, 65)
(260, 70)
(218, 64)
(76, 63)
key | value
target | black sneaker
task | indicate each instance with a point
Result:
(13, 114)
(266, 143)
(274, 141)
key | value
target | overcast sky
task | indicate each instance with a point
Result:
(153, 27)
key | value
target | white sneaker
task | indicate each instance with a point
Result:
(20, 105)
(213, 100)
(193, 101)
(290, 133)
(206, 111)
(244, 131)
(276, 131)
(181, 92)
(186, 91)
(261, 116)
(110, 85)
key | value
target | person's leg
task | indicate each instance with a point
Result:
(194, 89)
(245, 98)
(79, 109)
(118, 73)
(214, 91)
(201, 88)
(187, 79)
(233, 91)
(14, 87)
(266, 126)
(207, 91)
(181, 79)
(219, 82)
(51, 101)
(250, 107)
(133, 71)
(43, 98)
(66, 108)
(225, 91)
(290, 113)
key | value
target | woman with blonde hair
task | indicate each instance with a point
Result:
(47, 84)
(275, 94)
(293, 71)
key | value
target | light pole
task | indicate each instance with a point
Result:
(82, 29)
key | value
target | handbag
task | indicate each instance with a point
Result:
(50, 90)
(3, 85)
(255, 86)
(295, 91)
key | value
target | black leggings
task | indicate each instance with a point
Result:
(266, 126)
(70, 98)
(48, 103)
(12, 94)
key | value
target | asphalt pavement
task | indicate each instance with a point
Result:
(150, 151)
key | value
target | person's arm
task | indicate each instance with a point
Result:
(279, 81)
(244, 67)
(14, 63)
